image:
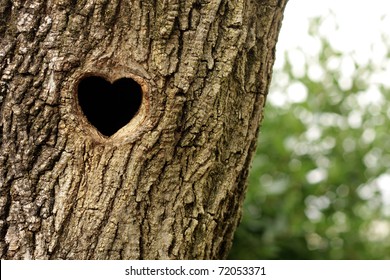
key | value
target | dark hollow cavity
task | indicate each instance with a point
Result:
(109, 107)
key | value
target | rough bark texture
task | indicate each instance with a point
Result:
(169, 185)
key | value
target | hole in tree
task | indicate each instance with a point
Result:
(109, 106)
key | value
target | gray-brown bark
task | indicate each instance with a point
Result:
(168, 185)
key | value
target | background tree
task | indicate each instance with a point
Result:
(167, 185)
(318, 182)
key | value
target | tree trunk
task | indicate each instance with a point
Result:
(168, 183)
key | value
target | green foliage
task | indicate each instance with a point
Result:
(317, 180)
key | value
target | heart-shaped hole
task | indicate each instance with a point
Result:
(109, 106)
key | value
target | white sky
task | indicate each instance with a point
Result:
(354, 28)
(361, 22)
(351, 27)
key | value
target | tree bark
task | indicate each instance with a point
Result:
(170, 183)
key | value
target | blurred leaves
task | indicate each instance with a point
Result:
(318, 184)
